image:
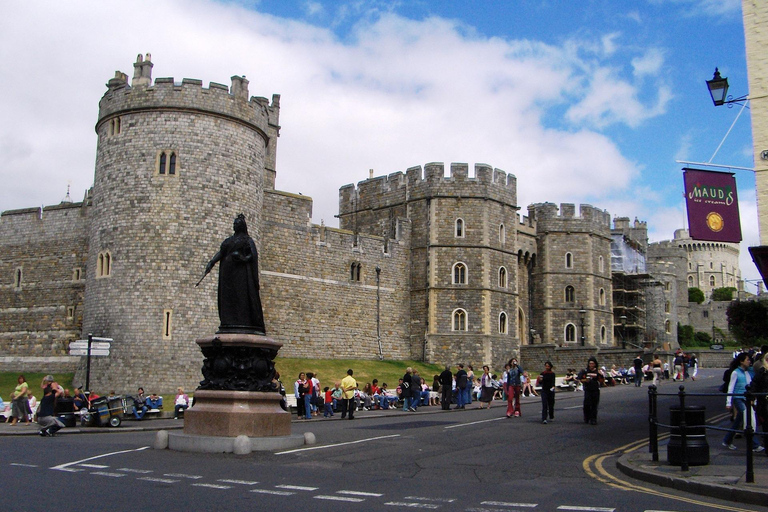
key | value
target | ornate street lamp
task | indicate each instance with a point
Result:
(623, 319)
(718, 90)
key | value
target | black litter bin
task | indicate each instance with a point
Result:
(64, 410)
(697, 448)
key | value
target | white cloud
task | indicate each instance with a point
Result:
(398, 93)
(648, 64)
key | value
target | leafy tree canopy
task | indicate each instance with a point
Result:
(748, 322)
(723, 294)
(695, 295)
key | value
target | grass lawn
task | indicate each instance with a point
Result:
(329, 371)
(8, 381)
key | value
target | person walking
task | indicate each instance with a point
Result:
(348, 386)
(486, 388)
(656, 369)
(446, 382)
(546, 381)
(736, 402)
(592, 378)
(470, 385)
(693, 363)
(638, 366)
(514, 375)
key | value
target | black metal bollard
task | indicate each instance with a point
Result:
(749, 432)
(653, 434)
(688, 440)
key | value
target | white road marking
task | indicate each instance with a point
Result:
(573, 407)
(238, 482)
(155, 479)
(412, 505)
(212, 486)
(588, 509)
(334, 445)
(94, 466)
(338, 498)
(107, 473)
(24, 465)
(71, 470)
(270, 491)
(360, 493)
(66, 466)
(182, 475)
(296, 487)
(420, 498)
(473, 423)
(140, 471)
(474, 509)
(505, 504)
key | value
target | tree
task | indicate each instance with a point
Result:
(748, 321)
(723, 294)
(685, 335)
(695, 295)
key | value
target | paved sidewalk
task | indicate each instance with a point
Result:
(725, 476)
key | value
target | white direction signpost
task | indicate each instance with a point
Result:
(92, 347)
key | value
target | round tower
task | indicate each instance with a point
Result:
(175, 164)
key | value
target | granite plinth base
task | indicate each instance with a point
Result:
(237, 413)
(215, 444)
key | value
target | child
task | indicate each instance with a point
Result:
(328, 409)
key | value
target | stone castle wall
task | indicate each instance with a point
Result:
(312, 303)
(44, 312)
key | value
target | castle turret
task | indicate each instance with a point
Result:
(572, 298)
(175, 164)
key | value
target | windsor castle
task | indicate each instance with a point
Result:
(432, 264)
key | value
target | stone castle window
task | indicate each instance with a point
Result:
(18, 276)
(568, 260)
(502, 234)
(667, 327)
(690, 281)
(70, 313)
(77, 274)
(166, 163)
(354, 271)
(711, 280)
(570, 294)
(602, 297)
(104, 264)
(459, 274)
(459, 229)
(667, 307)
(570, 333)
(603, 334)
(459, 320)
(167, 324)
(502, 277)
(115, 126)
(705, 314)
(601, 264)
(503, 323)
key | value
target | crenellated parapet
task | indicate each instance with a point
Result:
(430, 181)
(549, 218)
(189, 95)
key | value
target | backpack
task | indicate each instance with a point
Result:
(726, 380)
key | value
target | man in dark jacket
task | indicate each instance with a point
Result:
(406, 389)
(461, 385)
(446, 388)
(638, 365)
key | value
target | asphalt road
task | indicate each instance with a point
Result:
(467, 460)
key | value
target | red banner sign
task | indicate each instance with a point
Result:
(713, 205)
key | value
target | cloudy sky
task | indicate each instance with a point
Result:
(585, 102)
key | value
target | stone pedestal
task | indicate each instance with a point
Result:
(237, 396)
(235, 413)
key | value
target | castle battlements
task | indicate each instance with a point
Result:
(429, 181)
(548, 217)
(189, 95)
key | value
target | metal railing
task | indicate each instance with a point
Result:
(749, 431)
